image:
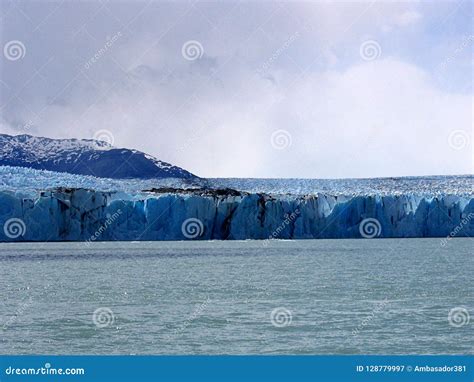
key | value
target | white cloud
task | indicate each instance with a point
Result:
(215, 116)
(381, 118)
(407, 18)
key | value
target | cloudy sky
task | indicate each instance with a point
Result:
(248, 89)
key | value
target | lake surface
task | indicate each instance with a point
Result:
(389, 296)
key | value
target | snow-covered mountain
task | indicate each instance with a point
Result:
(85, 157)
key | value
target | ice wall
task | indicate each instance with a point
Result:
(86, 215)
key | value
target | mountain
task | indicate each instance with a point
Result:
(84, 157)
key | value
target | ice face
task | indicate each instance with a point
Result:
(59, 206)
(86, 215)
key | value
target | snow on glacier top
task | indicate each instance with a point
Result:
(31, 180)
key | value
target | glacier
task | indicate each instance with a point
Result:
(78, 214)
(40, 205)
(31, 180)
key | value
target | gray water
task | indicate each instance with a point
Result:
(388, 296)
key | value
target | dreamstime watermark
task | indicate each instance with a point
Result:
(192, 228)
(449, 60)
(14, 50)
(259, 293)
(192, 50)
(18, 312)
(289, 218)
(281, 317)
(370, 50)
(97, 56)
(191, 139)
(29, 124)
(281, 139)
(44, 370)
(370, 228)
(371, 316)
(104, 227)
(268, 63)
(14, 228)
(458, 317)
(104, 136)
(194, 315)
(457, 229)
(103, 317)
(459, 139)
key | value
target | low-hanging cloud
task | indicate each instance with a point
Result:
(216, 115)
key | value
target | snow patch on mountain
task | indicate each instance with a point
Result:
(84, 157)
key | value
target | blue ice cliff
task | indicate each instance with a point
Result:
(63, 214)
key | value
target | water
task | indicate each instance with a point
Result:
(388, 296)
